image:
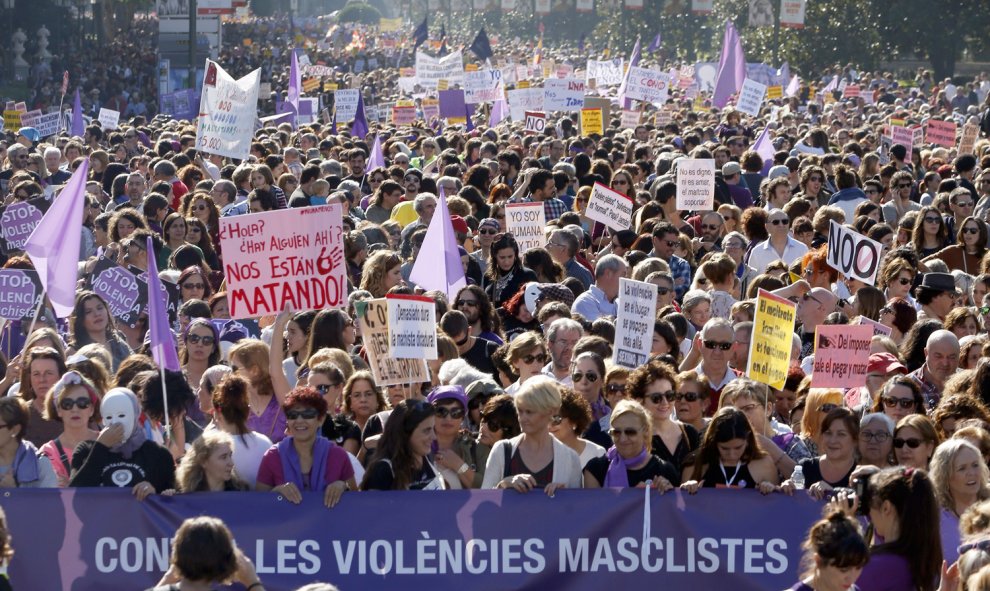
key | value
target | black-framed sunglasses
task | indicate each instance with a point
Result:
(195, 339)
(664, 290)
(891, 402)
(827, 407)
(912, 442)
(69, 403)
(539, 357)
(656, 397)
(472, 303)
(716, 344)
(455, 413)
(306, 413)
(324, 389)
(687, 396)
(627, 433)
(615, 388)
(492, 425)
(591, 376)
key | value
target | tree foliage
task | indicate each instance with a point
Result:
(359, 12)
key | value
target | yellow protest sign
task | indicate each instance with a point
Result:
(591, 122)
(471, 68)
(310, 84)
(770, 343)
(442, 85)
(331, 86)
(389, 24)
(775, 92)
(522, 84)
(11, 120)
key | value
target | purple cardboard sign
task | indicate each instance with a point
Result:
(452, 104)
(18, 220)
(120, 288)
(19, 293)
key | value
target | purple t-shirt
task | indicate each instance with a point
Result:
(271, 423)
(338, 467)
(801, 586)
(886, 572)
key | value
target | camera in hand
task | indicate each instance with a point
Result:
(861, 485)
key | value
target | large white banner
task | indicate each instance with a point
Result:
(431, 70)
(227, 112)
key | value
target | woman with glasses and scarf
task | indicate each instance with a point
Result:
(535, 458)
(630, 461)
(305, 460)
(968, 251)
(652, 385)
(455, 453)
(588, 377)
(74, 402)
(506, 274)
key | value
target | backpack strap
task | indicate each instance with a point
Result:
(62, 457)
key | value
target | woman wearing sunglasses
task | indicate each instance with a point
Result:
(630, 462)
(304, 460)
(970, 247)
(898, 315)
(72, 401)
(571, 422)
(527, 356)
(588, 377)
(200, 349)
(730, 457)
(535, 458)
(454, 453)
(899, 397)
(327, 379)
(652, 385)
(930, 234)
(194, 285)
(915, 440)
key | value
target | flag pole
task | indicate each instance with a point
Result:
(34, 319)
(168, 425)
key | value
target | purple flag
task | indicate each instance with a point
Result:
(784, 74)
(163, 349)
(360, 126)
(764, 147)
(333, 122)
(655, 45)
(468, 113)
(634, 58)
(731, 67)
(78, 125)
(376, 159)
(295, 84)
(440, 244)
(54, 244)
(500, 111)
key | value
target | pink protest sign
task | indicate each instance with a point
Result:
(941, 133)
(841, 354)
(902, 136)
(878, 329)
(288, 256)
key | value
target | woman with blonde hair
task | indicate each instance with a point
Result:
(630, 461)
(382, 272)
(820, 402)
(527, 356)
(915, 440)
(209, 465)
(961, 480)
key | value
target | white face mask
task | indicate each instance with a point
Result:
(118, 407)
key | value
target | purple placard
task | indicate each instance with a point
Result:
(120, 288)
(19, 293)
(452, 104)
(18, 220)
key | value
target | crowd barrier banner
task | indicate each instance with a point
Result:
(717, 540)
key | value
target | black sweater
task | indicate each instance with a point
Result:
(93, 464)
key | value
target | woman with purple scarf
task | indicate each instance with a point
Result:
(630, 463)
(305, 460)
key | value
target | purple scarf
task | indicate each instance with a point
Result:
(616, 477)
(292, 471)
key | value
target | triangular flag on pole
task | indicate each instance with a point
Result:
(731, 67)
(360, 126)
(655, 45)
(764, 147)
(440, 244)
(163, 349)
(634, 58)
(78, 125)
(53, 246)
(295, 86)
(376, 158)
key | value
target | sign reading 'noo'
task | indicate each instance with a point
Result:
(853, 254)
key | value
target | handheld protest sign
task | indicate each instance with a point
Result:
(637, 306)
(695, 184)
(288, 256)
(535, 122)
(412, 327)
(17, 222)
(526, 221)
(20, 290)
(841, 354)
(388, 369)
(770, 344)
(609, 207)
(227, 112)
(853, 254)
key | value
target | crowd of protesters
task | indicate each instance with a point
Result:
(524, 394)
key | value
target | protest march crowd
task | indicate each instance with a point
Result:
(622, 279)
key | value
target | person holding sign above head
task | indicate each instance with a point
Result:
(780, 246)
(730, 457)
(304, 460)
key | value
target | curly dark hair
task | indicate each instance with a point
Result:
(644, 375)
(575, 409)
(500, 411)
(176, 388)
(309, 397)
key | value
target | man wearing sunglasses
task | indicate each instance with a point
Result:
(715, 342)
(937, 296)
(780, 246)
(941, 361)
(901, 185)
